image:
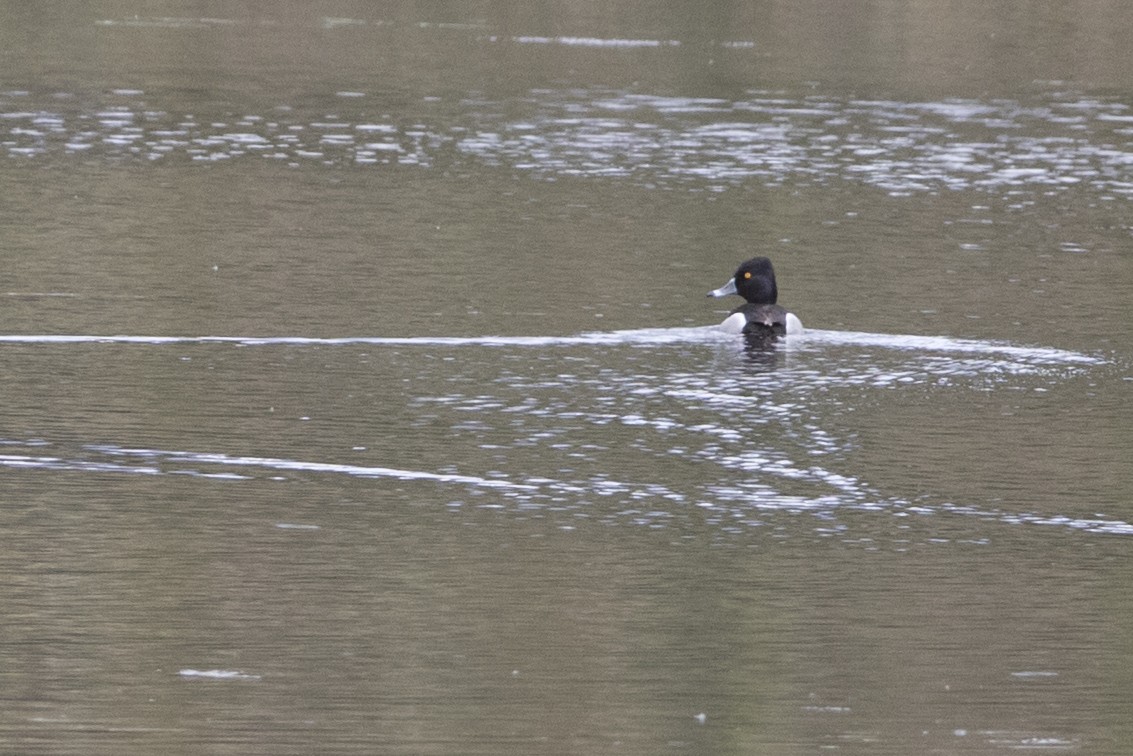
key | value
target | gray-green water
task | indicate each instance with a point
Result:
(359, 395)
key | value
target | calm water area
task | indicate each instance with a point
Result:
(360, 393)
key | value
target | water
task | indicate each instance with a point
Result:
(362, 395)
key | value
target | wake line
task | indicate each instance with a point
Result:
(172, 462)
(641, 336)
(275, 463)
(644, 337)
(156, 460)
(947, 344)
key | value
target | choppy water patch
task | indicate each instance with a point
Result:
(998, 146)
(901, 147)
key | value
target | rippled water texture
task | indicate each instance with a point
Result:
(683, 414)
(361, 394)
(997, 146)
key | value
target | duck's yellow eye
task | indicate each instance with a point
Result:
(747, 275)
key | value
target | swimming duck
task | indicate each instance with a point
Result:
(760, 319)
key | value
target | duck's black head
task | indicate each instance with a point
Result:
(754, 281)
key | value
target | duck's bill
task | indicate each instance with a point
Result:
(725, 290)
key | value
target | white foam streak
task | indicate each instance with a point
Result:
(292, 465)
(734, 502)
(643, 336)
(946, 344)
(218, 674)
(595, 42)
(634, 337)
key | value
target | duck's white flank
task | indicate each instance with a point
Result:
(735, 323)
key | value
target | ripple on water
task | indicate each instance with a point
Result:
(542, 443)
(900, 147)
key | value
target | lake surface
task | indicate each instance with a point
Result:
(361, 394)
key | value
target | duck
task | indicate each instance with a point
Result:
(761, 319)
